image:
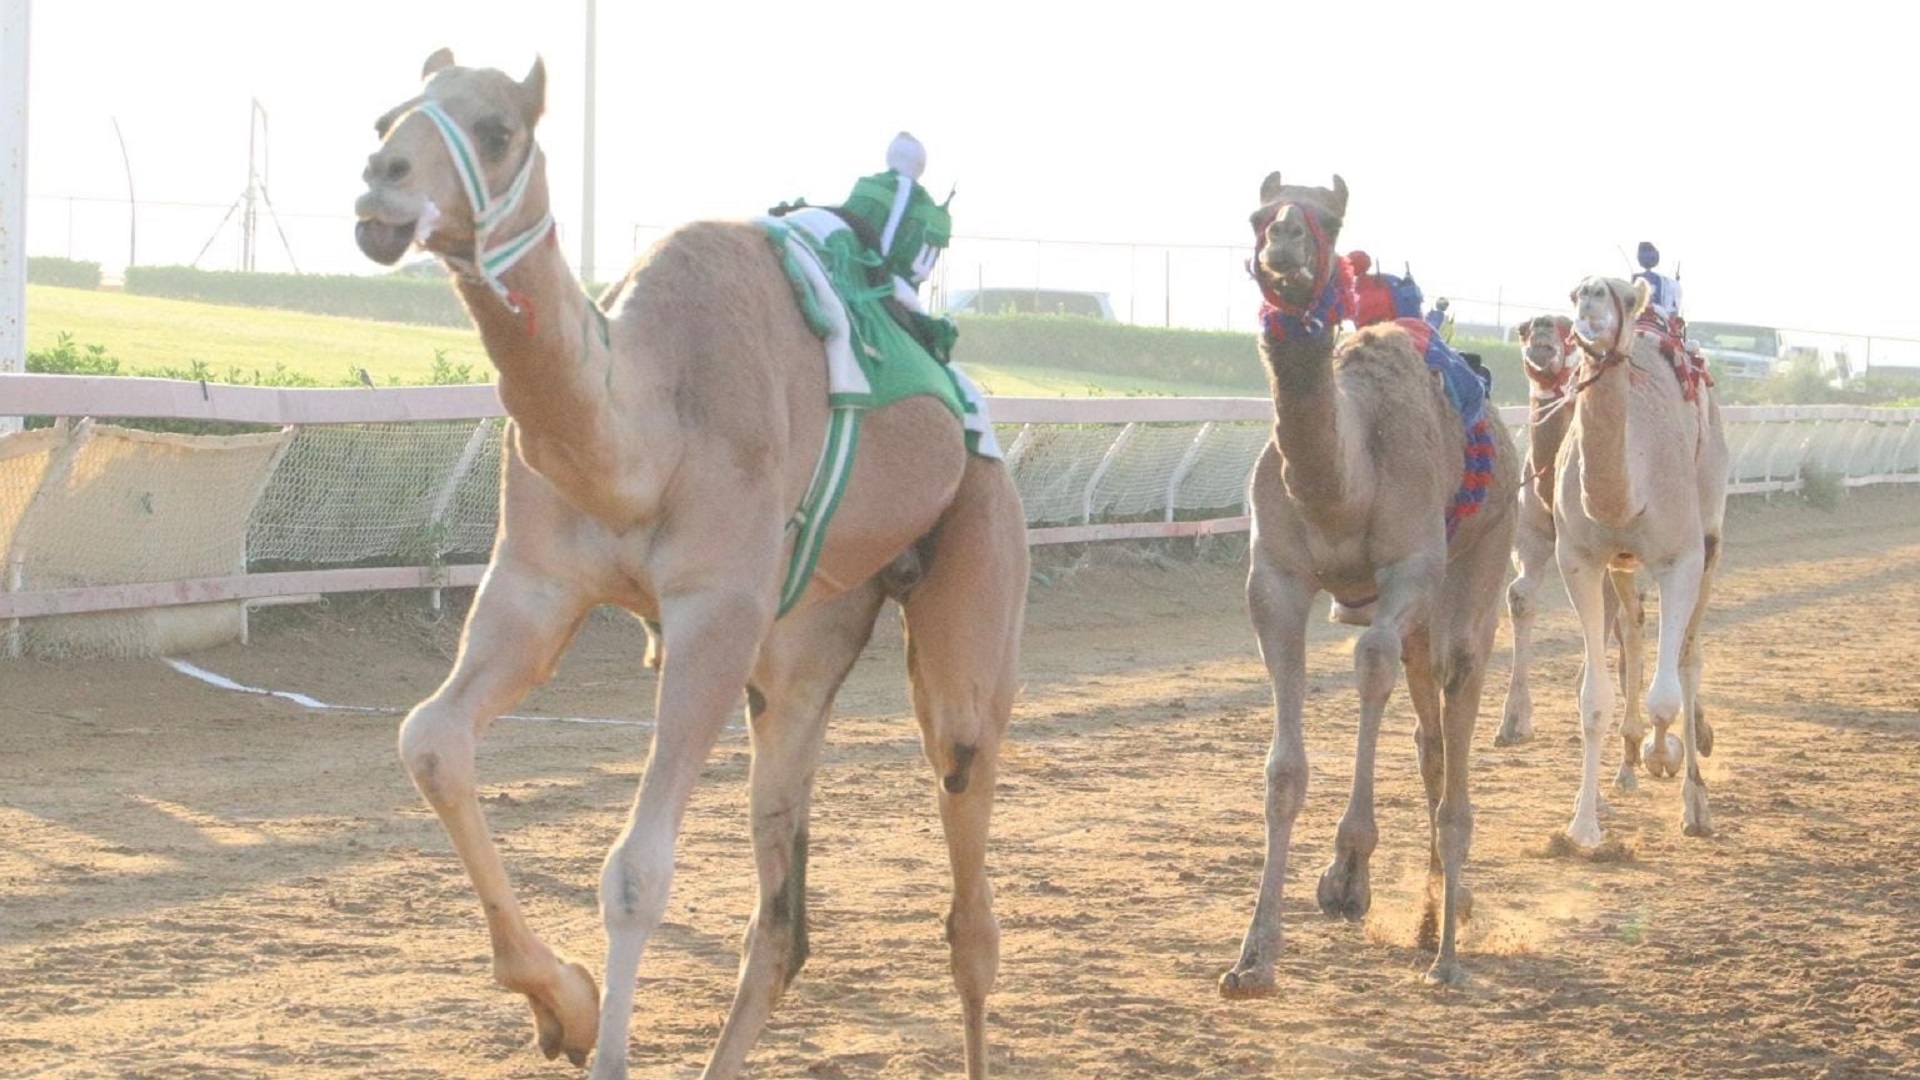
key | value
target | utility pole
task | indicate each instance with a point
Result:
(13, 192)
(133, 210)
(586, 169)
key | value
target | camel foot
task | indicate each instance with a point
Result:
(1662, 757)
(1625, 779)
(1695, 819)
(1243, 983)
(1585, 832)
(1446, 971)
(1345, 891)
(567, 1016)
(1514, 730)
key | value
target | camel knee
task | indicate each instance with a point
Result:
(973, 940)
(1286, 784)
(1376, 660)
(1453, 827)
(634, 883)
(438, 752)
(1461, 670)
(1520, 599)
(1664, 699)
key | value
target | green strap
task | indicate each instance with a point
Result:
(808, 526)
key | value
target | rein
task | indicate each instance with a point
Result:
(489, 264)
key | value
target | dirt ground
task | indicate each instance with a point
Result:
(199, 883)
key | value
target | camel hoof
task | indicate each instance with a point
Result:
(1697, 829)
(1585, 835)
(1446, 972)
(1345, 892)
(1626, 780)
(1513, 734)
(1516, 722)
(1662, 760)
(1242, 984)
(569, 1021)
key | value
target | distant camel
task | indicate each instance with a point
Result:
(655, 456)
(1546, 352)
(1374, 490)
(1641, 481)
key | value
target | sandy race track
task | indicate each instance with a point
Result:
(199, 883)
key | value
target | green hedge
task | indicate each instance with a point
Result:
(1222, 358)
(69, 273)
(387, 298)
(1214, 357)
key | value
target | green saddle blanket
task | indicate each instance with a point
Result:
(872, 360)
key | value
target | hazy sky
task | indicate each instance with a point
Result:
(1500, 148)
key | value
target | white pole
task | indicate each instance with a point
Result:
(13, 191)
(586, 168)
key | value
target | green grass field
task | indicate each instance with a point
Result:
(144, 332)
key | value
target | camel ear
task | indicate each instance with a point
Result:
(1270, 187)
(1642, 292)
(533, 92)
(1523, 331)
(440, 60)
(1339, 197)
(1563, 325)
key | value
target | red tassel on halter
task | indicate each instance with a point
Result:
(519, 303)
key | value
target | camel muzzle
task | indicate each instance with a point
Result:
(381, 241)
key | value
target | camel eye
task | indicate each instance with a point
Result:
(493, 136)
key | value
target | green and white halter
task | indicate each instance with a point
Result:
(489, 211)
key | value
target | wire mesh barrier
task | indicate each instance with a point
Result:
(122, 542)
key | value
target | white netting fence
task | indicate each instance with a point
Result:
(114, 506)
(92, 506)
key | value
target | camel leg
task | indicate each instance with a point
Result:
(1532, 556)
(1696, 737)
(1692, 662)
(1585, 586)
(1279, 603)
(802, 664)
(520, 623)
(1470, 622)
(1345, 890)
(712, 638)
(1680, 593)
(1627, 620)
(963, 623)
(1429, 747)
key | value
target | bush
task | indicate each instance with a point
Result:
(1219, 358)
(68, 273)
(1227, 359)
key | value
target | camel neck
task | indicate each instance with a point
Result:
(1602, 415)
(1306, 409)
(552, 354)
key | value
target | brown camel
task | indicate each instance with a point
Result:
(1547, 354)
(659, 443)
(1640, 481)
(1352, 496)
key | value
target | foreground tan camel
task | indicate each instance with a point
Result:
(1351, 496)
(1641, 481)
(1547, 354)
(654, 456)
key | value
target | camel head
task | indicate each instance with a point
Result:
(456, 162)
(1294, 234)
(1546, 346)
(1603, 312)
